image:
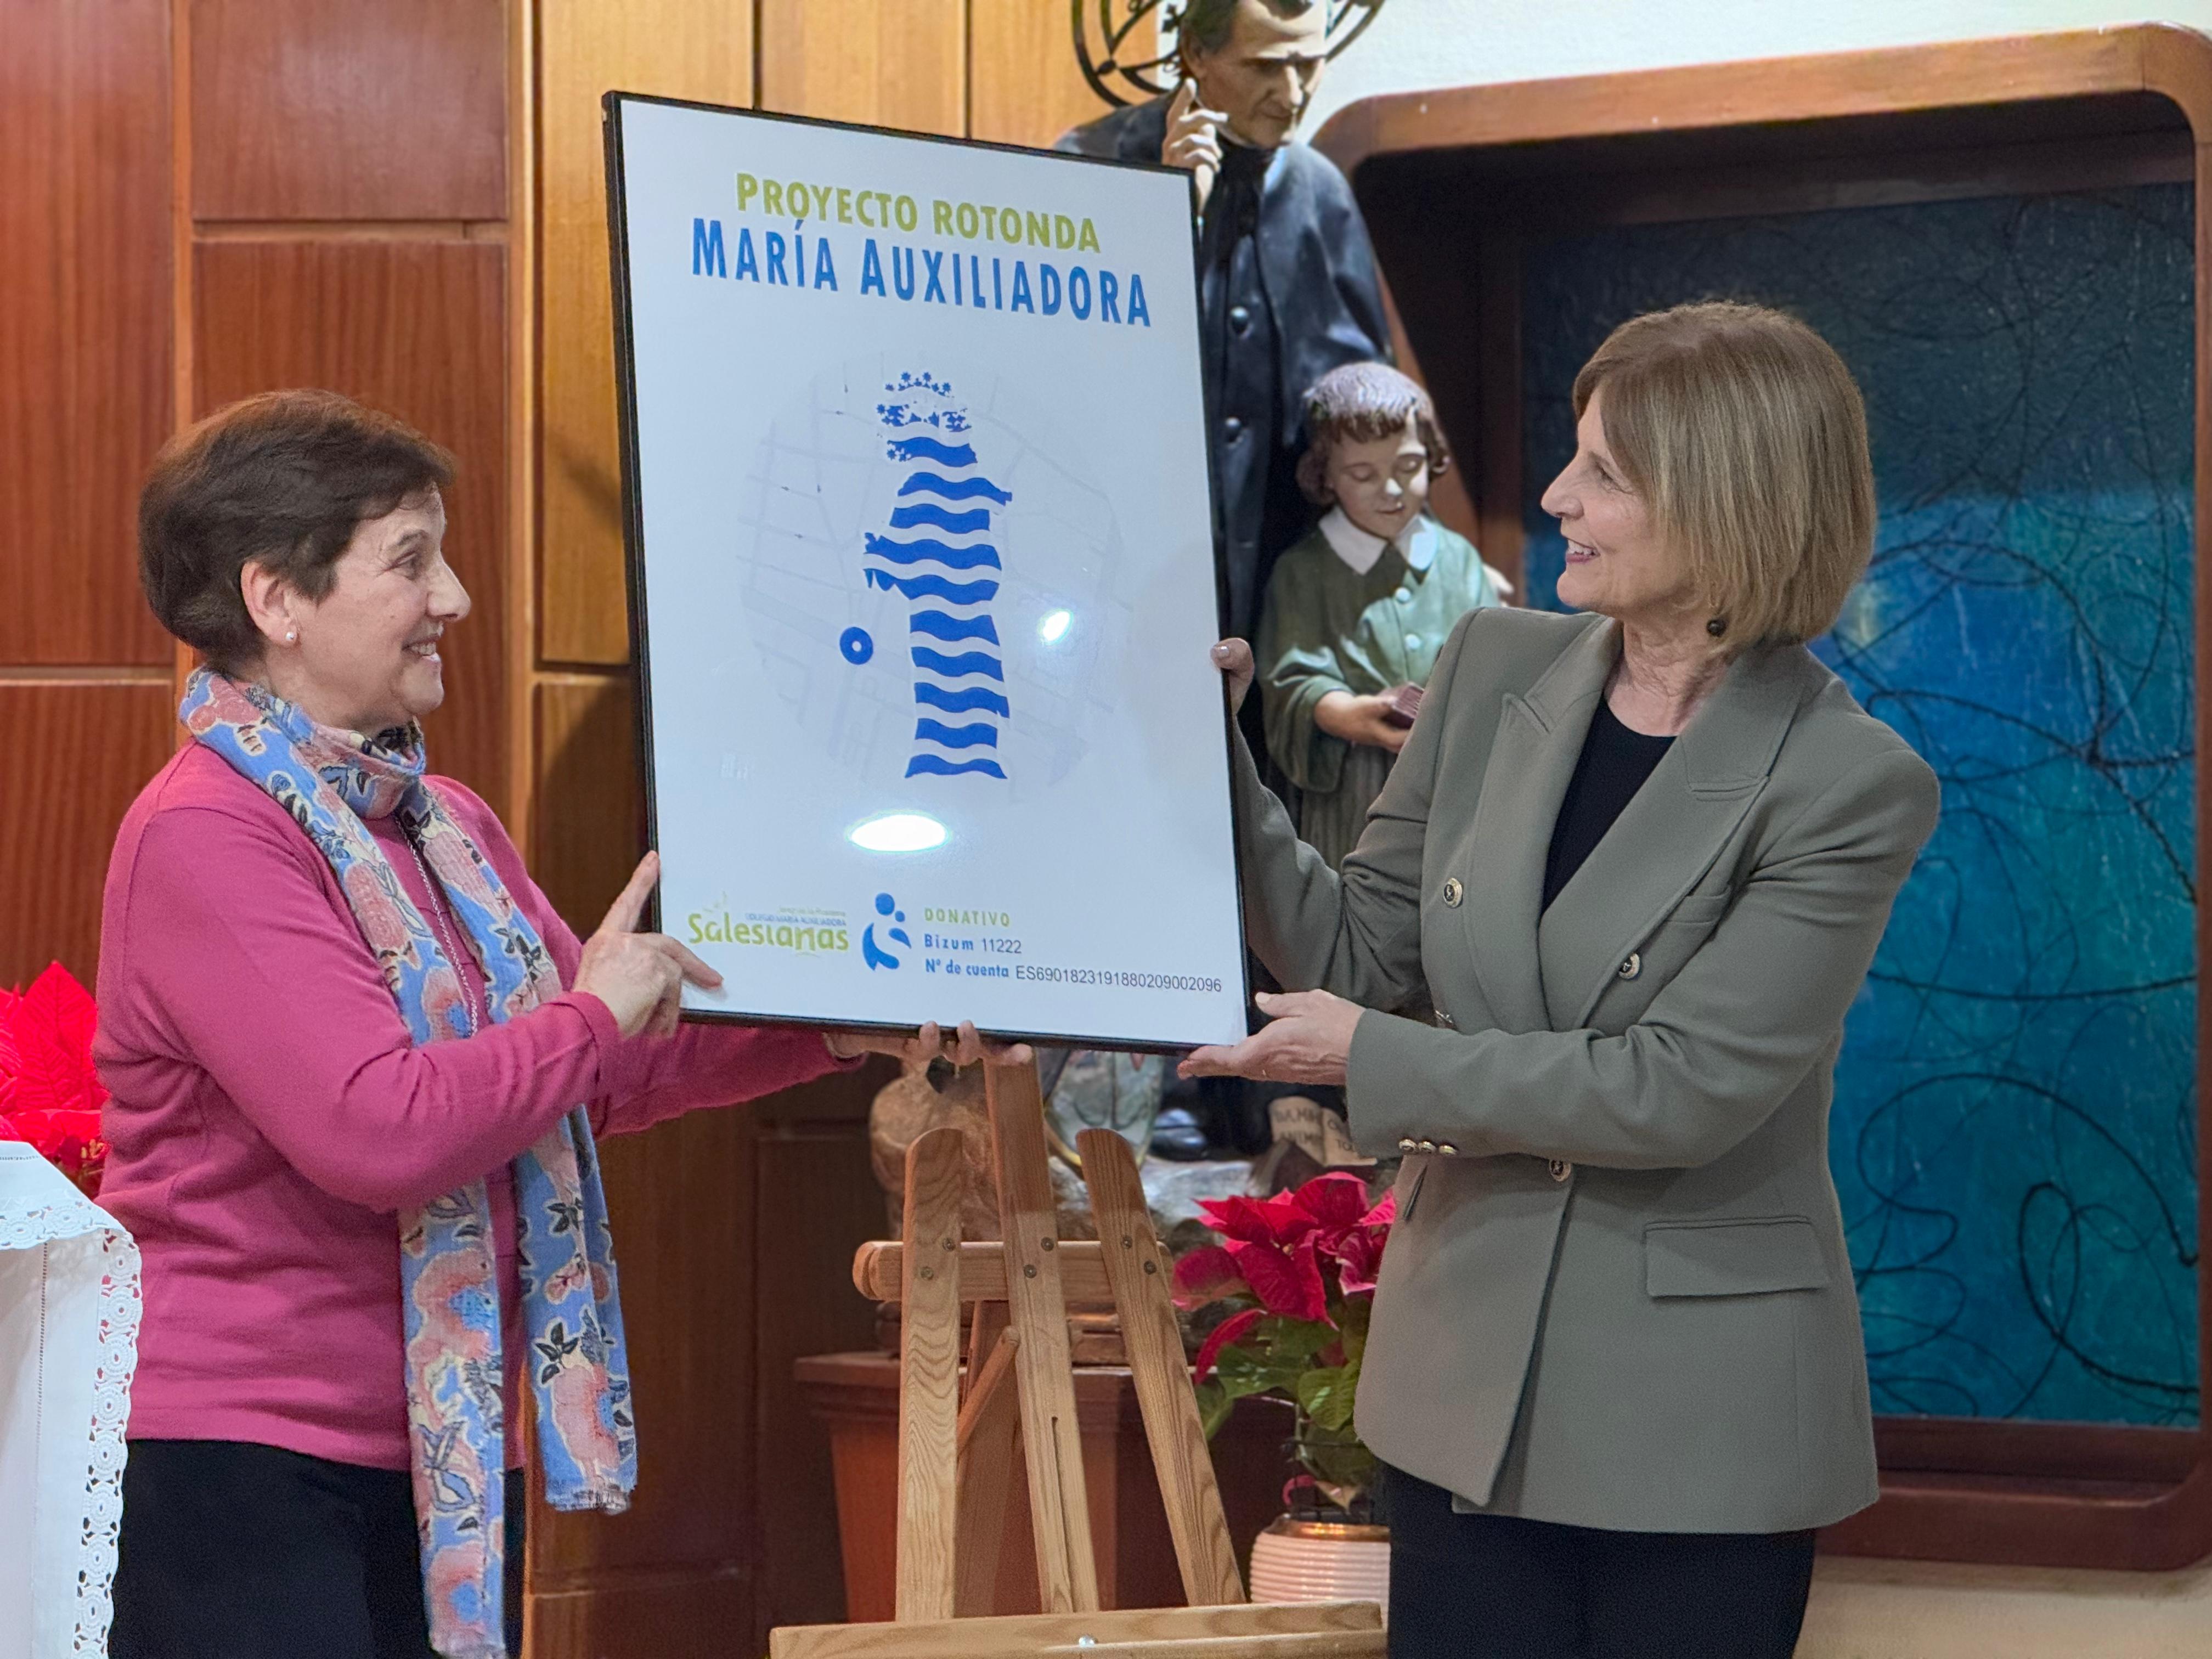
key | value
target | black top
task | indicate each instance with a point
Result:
(1614, 763)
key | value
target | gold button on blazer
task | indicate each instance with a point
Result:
(1625, 1303)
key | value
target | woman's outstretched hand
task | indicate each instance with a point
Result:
(1234, 658)
(963, 1048)
(639, 977)
(1306, 1039)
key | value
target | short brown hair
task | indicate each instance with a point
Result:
(1358, 404)
(281, 480)
(1747, 435)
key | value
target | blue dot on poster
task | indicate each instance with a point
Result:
(856, 645)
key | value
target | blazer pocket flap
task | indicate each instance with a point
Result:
(1732, 1258)
(1699, 908)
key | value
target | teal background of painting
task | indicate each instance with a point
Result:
(2014, 1130)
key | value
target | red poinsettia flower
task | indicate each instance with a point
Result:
(1335, 1200)
(1208, 1274)
(1236, 1325)
(1277, 1220)
(1286, 1281)
(1293, 1280)
(50, 1093)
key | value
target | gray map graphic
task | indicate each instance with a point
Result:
(844, 656)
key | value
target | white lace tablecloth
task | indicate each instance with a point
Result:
(69, 1342)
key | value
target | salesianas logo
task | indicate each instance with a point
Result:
(935, 545)
(875, 954)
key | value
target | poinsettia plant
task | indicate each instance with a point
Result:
(50, 1095)
(1292, 1286)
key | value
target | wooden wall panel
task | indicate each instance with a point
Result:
(817, 1202)
(73, 757)
(338, 109)
(678, 49)
(84, 323)
(1024, 87)
(669, 1619)
(889, 63)
(675, 1202)
(417, 329)
(589, 831)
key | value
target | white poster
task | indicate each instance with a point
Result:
(922, 548)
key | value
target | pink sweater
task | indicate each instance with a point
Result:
(269, 1115)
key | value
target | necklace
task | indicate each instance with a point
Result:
(438, 930)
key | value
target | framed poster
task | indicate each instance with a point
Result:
(922, 579)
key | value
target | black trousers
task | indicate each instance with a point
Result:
(1497, 1586)
(234, 1550)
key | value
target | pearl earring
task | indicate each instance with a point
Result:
(291, 637)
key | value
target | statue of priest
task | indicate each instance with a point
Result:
(1286, 277)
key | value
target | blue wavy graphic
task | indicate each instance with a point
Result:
(937, 765)
(928, 586)
(924, 547)
(968, 662)
(955, 489)
(928, 512)
(928, 449)
(981, 734)
(965, 700)
(941, 625)
(917, 398)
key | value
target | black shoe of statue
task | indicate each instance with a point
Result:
(1177, 1136)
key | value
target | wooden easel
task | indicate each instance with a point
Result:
(955, 1456)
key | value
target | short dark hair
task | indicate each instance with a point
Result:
(281, 480)
(1358, 403)
(1204, 26)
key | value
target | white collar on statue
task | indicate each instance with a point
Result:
(1360, 549)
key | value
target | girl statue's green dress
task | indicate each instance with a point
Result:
(1348, 611)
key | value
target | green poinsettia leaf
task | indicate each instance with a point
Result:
(1351, 1320)
(1245, 1368)
(1325, 1397)
(1293, 1341)
(1214, 1405)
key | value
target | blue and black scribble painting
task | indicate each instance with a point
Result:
(937, 551)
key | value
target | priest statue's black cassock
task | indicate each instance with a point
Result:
(1287, 292)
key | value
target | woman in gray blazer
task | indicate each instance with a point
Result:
(1637, 861)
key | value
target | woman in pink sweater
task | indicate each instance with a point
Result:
(358, 1064)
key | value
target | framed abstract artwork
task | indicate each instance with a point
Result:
(2002, 240)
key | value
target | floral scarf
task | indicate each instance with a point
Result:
(329, 780)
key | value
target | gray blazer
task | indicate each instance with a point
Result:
(1617, 1295)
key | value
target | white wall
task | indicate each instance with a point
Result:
(1860, 1609)
(1416, 45)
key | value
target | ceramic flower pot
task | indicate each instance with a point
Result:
(1295, 1560)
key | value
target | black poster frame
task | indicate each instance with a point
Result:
(611, 104)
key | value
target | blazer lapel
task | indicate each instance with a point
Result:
(1532, 760)
(1669, 834)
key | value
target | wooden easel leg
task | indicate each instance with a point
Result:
(990, 1424)
(1137, 1269)
(929, 1377)
(987, 1323)
(1052, 1446)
